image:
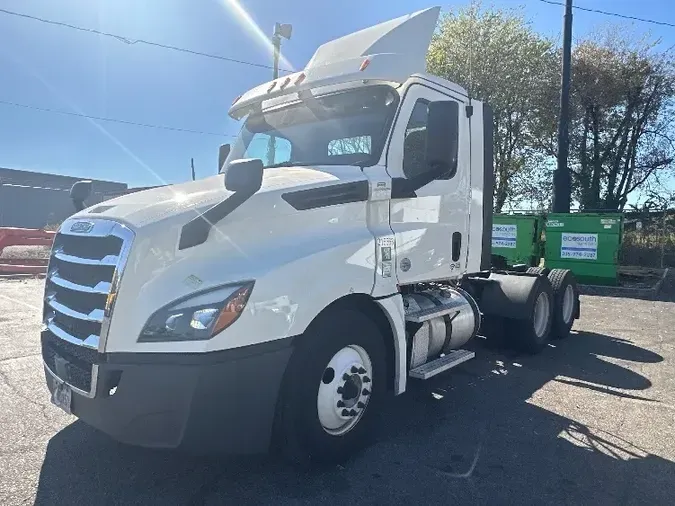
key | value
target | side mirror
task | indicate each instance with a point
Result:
(443, 137)
(79, 192)
(244, 176)
(223, 151)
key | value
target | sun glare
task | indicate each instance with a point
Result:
(244, 19)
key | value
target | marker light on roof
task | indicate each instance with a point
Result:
(286, 82)
(236, 99)
(364, 64)
(300, 79)
(274, 83)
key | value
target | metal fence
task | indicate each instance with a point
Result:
(649, 239)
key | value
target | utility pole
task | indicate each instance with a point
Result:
(562, 180)
(192, 166)
(280, 30)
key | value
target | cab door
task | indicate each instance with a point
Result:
(431, 225)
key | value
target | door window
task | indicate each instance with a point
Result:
(415, 141)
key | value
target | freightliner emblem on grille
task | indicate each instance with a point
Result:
(82, 227)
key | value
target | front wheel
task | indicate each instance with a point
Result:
(332, 389)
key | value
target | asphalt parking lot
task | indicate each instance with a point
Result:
(588, 421)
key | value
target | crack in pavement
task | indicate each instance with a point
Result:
(21, 449)
(9, 359)
(15, 391)
(25, 304)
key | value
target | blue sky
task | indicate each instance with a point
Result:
(60, 68)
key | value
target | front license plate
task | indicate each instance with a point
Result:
(62, 396)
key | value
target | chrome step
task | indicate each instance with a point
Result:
(432, 312)
(450, 360)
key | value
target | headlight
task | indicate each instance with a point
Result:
(199, 316)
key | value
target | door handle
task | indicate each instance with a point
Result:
(456, 245)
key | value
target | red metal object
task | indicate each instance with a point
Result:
(23, 269)
(24, 237)
(23, 261)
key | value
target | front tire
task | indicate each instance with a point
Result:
(332, 390)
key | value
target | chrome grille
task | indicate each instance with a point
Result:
(85, 267)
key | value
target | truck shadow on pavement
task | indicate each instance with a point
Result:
(476, 435)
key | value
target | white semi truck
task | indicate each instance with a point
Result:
(342, 250)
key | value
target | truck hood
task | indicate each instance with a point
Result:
(150, 206)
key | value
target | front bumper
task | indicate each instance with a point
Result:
(212, 402)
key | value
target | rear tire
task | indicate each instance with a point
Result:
(312, 426)
(566, 300)
(532, 333)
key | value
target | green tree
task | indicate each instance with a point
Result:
(500, 59)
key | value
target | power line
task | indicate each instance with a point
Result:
(615, 14)
(130, 42)
(113, 120)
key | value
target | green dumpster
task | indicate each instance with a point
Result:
(517, 237)
(586, 243)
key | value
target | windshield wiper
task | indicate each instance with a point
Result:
(285, 164)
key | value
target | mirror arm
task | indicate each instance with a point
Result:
(196, 231)
(405, 188)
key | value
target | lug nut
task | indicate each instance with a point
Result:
(345, 412)
(352, 412)
(346, 376)
(362, 371)
(340, 404)
(360, 405)
(355, 369)
(340, 390)
(366, 391)
(366, 379)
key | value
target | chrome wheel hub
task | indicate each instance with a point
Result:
(542, 314)
(344, 390)
(568, 304)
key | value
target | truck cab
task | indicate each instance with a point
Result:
(343, 248)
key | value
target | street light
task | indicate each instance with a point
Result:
(281, 30)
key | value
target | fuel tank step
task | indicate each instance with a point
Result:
(448, 361)
(423, 315)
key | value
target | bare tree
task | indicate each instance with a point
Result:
(350, 145)
(621, 136)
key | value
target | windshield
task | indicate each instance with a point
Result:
(345, 128)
